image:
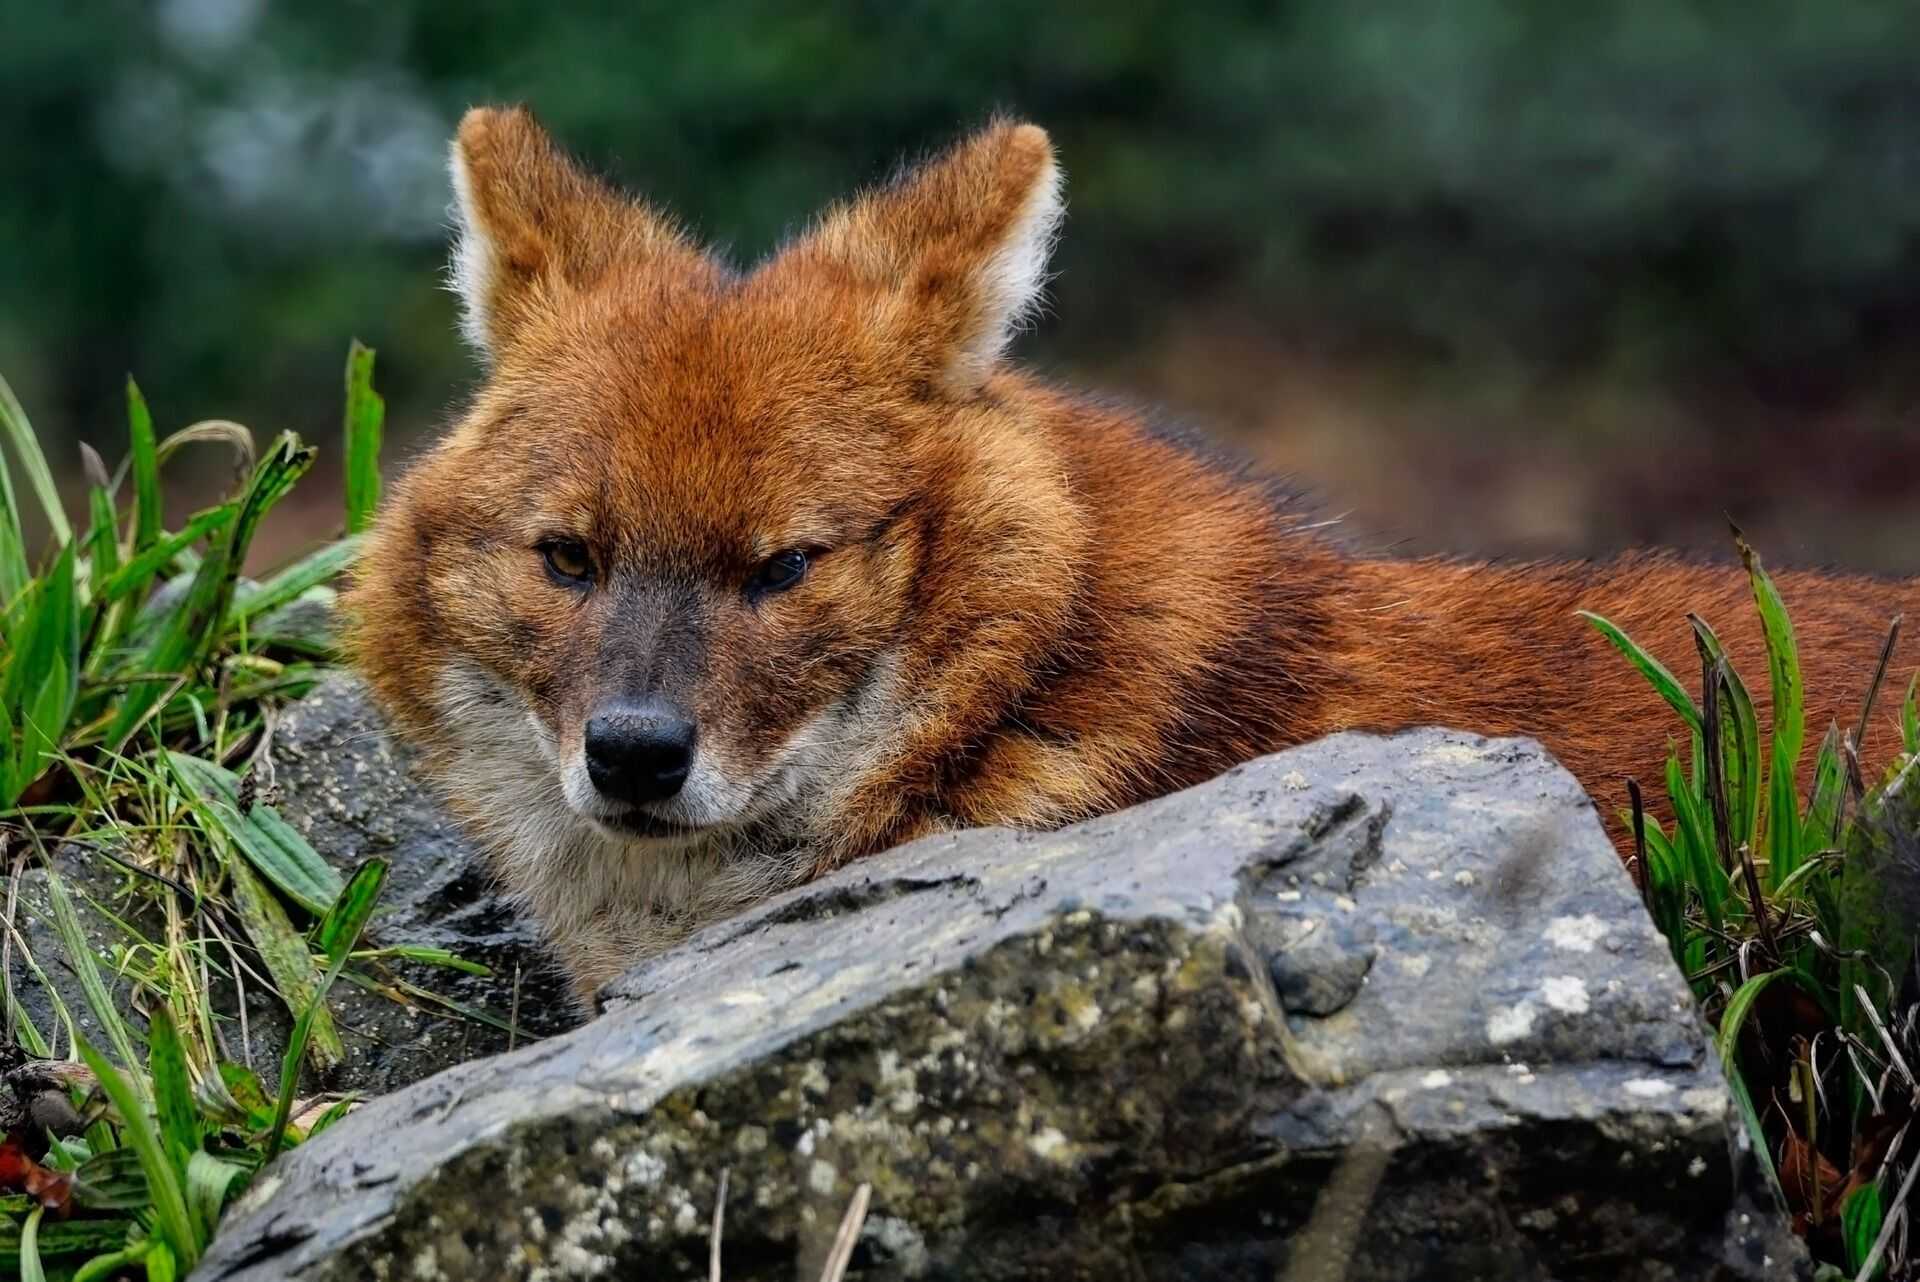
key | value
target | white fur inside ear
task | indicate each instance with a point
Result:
(1013, 281)
(470, 271)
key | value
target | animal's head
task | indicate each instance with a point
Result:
(682, 564)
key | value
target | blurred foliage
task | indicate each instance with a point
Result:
(219, 192)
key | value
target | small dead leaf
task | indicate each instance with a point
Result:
(1800, 1165)
(19, 1173)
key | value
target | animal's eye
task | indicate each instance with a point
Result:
(567, 561)
(779, 572)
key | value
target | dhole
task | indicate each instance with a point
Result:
(729, 576)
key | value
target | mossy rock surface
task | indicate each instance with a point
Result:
(1372, 1008)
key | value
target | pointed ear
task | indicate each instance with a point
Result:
(957, 248)
(533, 227)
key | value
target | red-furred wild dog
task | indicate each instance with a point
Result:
(727, 577)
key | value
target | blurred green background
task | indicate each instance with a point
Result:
(1488, 275)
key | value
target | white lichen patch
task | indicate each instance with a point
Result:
(1438, 1079)
(1464, 877)
(1294, 781)
(1511, 1023)
(1415, 964)
(899, 1241)
(1566, 994)
(1575, 934)
(1047, 1142)
(1452, 754)
(822, 1176)
(644, 1168)
(1648, 1088)
(1697, 1167)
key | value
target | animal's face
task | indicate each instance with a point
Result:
(662, 572)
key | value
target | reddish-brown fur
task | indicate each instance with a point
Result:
(1026, 606)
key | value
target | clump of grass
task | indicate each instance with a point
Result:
(1777, 911)
(138, 675)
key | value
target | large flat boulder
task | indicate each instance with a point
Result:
(1373, 1008)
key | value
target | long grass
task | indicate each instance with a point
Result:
(138, 676)
(1775, 908)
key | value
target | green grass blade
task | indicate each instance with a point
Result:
(31, 1270)
(1739, 738)
(11, 770)
(1820, 827)
(143, 456)
(26, 447)
(113, 1264)
(169, 1199)
(1693, 842)
(310, 571)
(103, 541)
(191, 633)
(79, 957)
(338, 934)
(284, 950)
(162, 1264)
(42, 722)
(365, 420)
(1666, 887)
(15, 571)
(247, 1095)
(172, 1088)
(209, 1180)
(340, 929)
(1726, 1038)
(281, 854)
(1756, 1133)
(426, 957)
(48, 628)
(335, 1111)
(65, 1237)
(1663, 681)
(112, 1181)
(1910, 717)
(1860, 1219)
(1789, 717)
(132, 579)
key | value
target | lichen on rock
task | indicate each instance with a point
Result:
(1385, 1004)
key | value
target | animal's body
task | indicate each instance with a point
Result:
(726, 578)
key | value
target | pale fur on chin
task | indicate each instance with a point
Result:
(606, 901)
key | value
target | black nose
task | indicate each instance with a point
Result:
(639, 751)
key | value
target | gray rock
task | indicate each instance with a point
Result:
(346, 787)
(1067, 1056)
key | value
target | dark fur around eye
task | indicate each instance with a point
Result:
(568, 562)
